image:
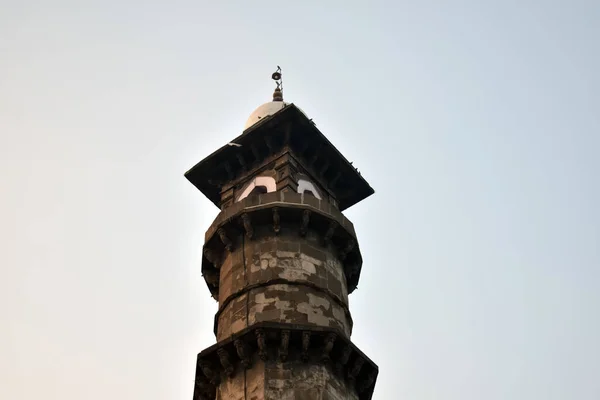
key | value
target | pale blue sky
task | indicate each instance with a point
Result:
(476, 122)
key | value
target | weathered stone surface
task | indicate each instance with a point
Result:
(233, 318)
(281, 303)
(293, 380)
(296, 380)
(294, 259)
(248, 385)
(295, 304)
(255, 381)
(232, 388)
(282, 278)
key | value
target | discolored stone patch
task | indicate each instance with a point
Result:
(298, 381)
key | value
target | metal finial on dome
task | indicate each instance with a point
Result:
(278, 93)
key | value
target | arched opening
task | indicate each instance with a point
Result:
(306, 186)
(258, 185)
(258, 190)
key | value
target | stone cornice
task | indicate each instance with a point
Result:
(288, 199)
(280, 281)
(276, 209)
(287, 128)
(284, 342)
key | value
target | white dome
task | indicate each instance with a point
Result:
(263, 111)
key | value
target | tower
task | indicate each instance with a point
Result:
(281, 259)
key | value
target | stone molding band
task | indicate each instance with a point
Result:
(281, 281)
(275, 209)
(284, 342)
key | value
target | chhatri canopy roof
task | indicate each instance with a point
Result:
(271, 128)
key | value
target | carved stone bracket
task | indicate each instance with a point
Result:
(209, 372)
(305, 345)
(225, 362)
(226, 241)
(212, 257)
(242, 352)
(329, 342)
(276, 220)
(260, 341)
(356, 367)
(287, 132)
(330, 231)
(343, 360)
(241, 160)
(228, 169)
(269, 143)
(255, 153)
(347, 249)
(335, 178)
(211, 277)
(351, 272)
(283, 347)
(316, 154)
(324, 168)
(247, 225)
(305, 221)
(367, 382)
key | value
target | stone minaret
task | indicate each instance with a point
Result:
(281, 259)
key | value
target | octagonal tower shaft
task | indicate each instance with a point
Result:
(281, 258)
